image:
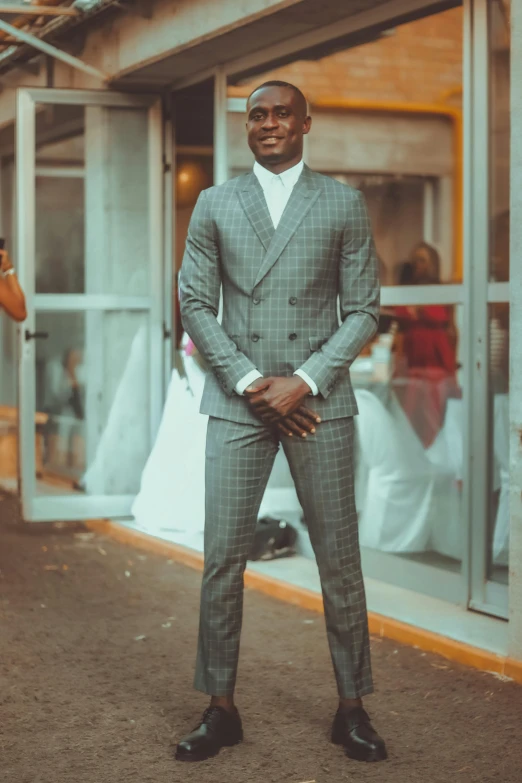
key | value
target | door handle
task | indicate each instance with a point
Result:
(35, 335)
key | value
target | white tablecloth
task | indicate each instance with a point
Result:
(408, 498)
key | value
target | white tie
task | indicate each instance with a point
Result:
(277, 199)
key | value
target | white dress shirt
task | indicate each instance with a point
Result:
(277, 189)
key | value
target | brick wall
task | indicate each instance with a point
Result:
(419, 62)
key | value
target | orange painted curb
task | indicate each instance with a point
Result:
(379, 625)
(513, 669)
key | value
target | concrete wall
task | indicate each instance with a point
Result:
(384, 143)
(515, 551)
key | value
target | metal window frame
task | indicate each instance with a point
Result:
(60, 172)
(220, 126)
(43, 508)
(169, 179)
(484, 594)
(478, 280)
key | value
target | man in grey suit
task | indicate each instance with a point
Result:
(289, 248)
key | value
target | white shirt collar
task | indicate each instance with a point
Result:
(288, 177)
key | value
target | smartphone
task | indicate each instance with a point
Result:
(2, 243)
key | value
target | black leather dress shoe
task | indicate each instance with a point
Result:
(353, 730)
(218, 728)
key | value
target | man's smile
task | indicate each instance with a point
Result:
(271, 140)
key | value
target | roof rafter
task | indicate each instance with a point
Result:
(51, 50)
(38, 10)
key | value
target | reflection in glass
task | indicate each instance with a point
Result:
(92, 387)
(117, 201)
(499, 442)
(410, 436)
(59, 234)
(59, 199)
(499, 141)
(425, 358)
(398, 208)
(92, 200)
(194, 173)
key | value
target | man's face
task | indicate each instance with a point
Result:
(276, 124)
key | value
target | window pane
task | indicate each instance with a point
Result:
(92, 402)
(60, 236)
(92, 200)
(498, 538)
(117, 201)
(410, 435)
(59, 200)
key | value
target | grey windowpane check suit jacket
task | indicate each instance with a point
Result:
(281, 289)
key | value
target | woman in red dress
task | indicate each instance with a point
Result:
(425, 375)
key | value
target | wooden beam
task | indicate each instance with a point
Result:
(38, 10)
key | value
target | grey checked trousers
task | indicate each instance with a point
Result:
(239, 459)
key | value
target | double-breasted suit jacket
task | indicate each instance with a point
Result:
(305, 295)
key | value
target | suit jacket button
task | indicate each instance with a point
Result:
(292, 336)
(255, 300)
(293, 300)
(255, 338)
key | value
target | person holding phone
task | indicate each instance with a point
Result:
(12, 298)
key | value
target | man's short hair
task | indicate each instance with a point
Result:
(278, 83)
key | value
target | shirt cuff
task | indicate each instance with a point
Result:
(246, 380)
(306, 378)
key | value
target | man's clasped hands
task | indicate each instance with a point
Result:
(279, 403)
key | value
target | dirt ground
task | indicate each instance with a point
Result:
(97, 650)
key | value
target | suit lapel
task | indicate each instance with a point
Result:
(304, 195)
(254, 203)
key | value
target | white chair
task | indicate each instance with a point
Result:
(448, 452)
(404, 494)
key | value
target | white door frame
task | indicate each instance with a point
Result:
(44, 508)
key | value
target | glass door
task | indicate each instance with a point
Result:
(89, 251)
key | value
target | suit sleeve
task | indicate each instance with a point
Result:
(359, 299)
(199, 290)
